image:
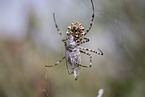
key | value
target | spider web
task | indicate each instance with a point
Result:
(29, 40)
(113, 31)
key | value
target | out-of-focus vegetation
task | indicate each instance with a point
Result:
(29, 40)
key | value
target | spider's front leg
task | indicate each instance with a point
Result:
(91, 23)
(55, 63)
(93, 51)
(57, 26)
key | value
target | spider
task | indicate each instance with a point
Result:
(75, 37)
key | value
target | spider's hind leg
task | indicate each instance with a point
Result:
(93, 51)
(85, 40)
(55, 63)
(90, 56)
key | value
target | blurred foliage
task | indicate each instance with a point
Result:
(120, 72)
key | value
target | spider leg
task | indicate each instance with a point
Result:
(91, 23)
(93, 51)
(55, 63)
(57, 26)
(91, 19)
(90, 60)
(86, 40)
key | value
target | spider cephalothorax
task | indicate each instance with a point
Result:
(76, 29)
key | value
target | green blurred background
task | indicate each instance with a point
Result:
(29, 41)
